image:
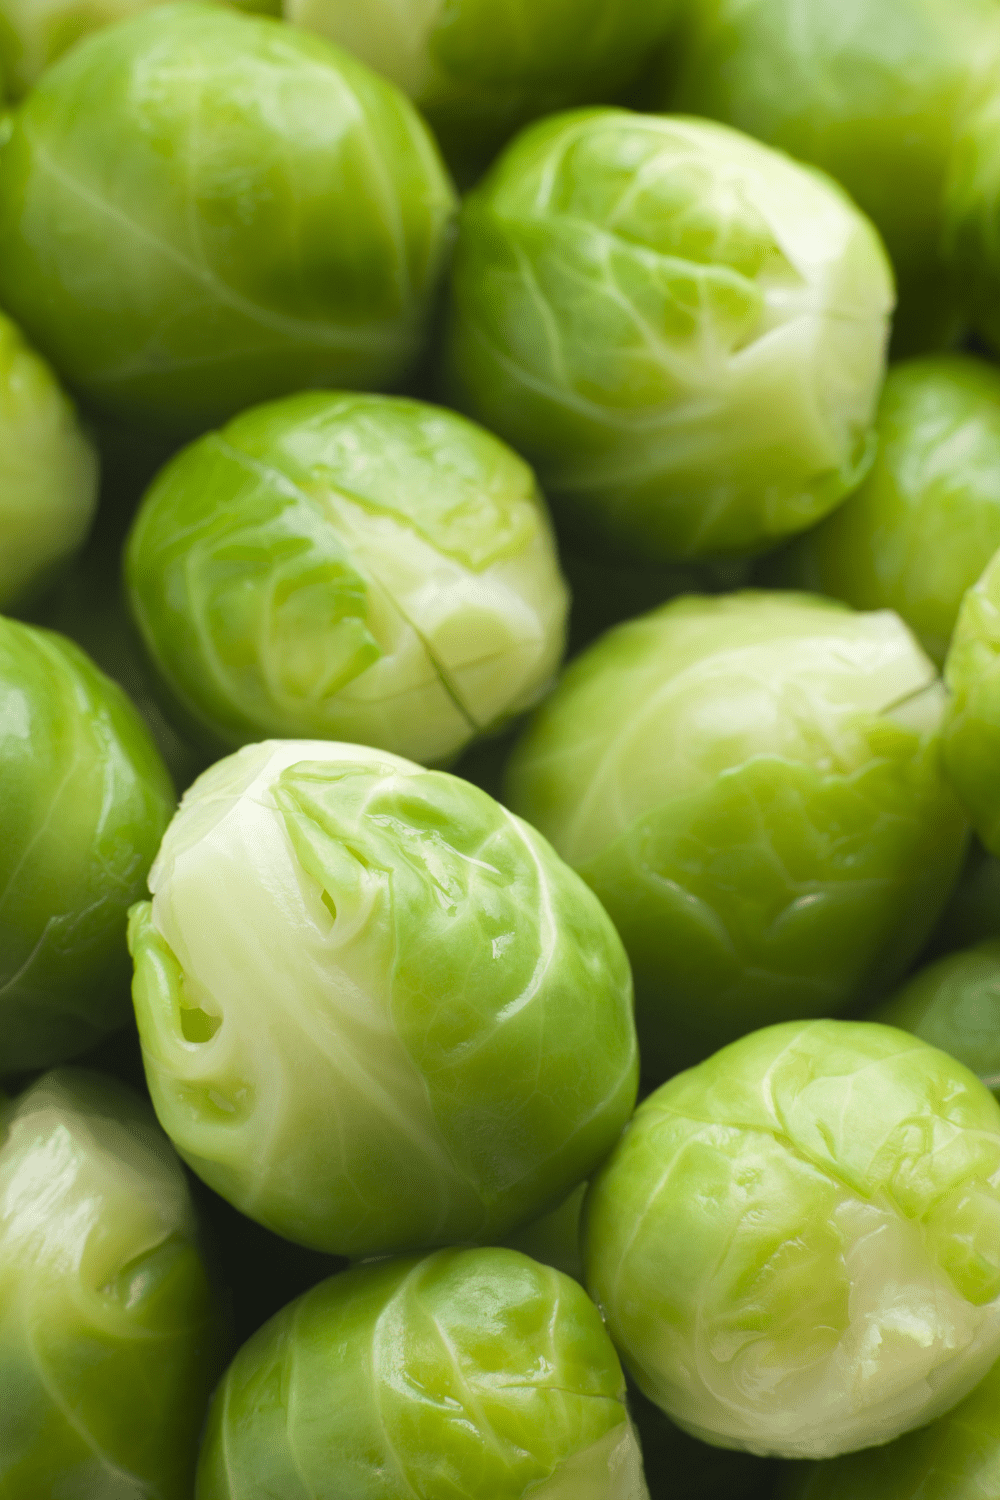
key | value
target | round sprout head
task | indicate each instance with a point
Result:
(471, 1372)
(681, 329)
(796, 1245)
(48, 472)
(33, 33)
(202, 209)
(110, 1338)
(972, 727)
(362, 568)
(478, 69)
(376, 1010)
(871, 91)
(752, 786)
(84, 800)
(926, 520)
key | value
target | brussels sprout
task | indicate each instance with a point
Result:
(954, 1004)
(84, 800)
(796, 1245)
(48, 471)
(33, 33)
(926, 520)
(972, 725)
(479, 69)
(870, 90)
(201, 209)
(377, 1011)
(681, 329)
(955, 1458)
(971, 210)
(111, 1337)
(751, 784)
(471, 1372)
(353, 567)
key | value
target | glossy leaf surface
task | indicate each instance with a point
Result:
(926, 520)
(48, 471)
(376, 1010)
(752, 786)
(84, 800)
(110, 1335)
(361, 568)
(796, 1245)
(872, 91)
(682, 330)
(202, 209)
(471, 1373)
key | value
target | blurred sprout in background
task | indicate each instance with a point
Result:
(872, 91)
(48, 473)
(752, 786)
(377, 1012)
(471, 1372)
(926, 520)
(202, 209)
(111, 1336)
(972, 725)
(358, 568)
(796, 1245)
(682, 330)
(33, 33)
(972, 206)
(954, 1004)
(84, 800)
(479, 69)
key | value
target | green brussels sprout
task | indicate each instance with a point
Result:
(362, 568)
(872, 91)
(796, 1244)
(201, 209)
(954, 1004)
(377, 1012)
(682, 330)
(48, 471)
(972, 206)
(972, 723)
(111, 1336)
(955, 1458)
(751, 784)
(926, 520)
(84, 801)
(472, 1373)
(478, 70)
(33, 33)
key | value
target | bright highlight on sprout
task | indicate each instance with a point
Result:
(796, 1245)
(361, 568)
(682, 330)
(377, 1011)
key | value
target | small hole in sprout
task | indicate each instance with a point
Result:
(329, 904)
(197, 1025)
